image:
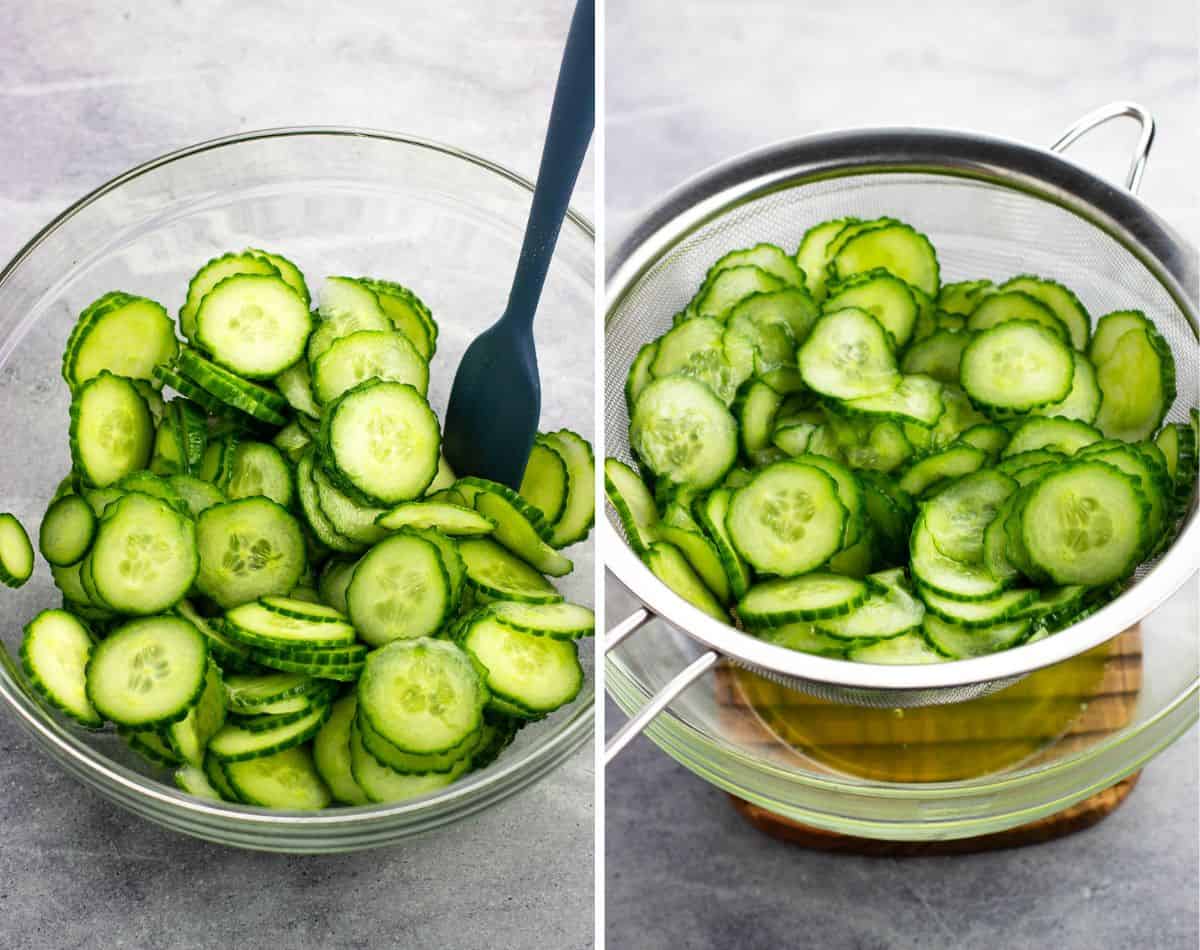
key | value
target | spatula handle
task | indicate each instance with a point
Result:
(571, 120)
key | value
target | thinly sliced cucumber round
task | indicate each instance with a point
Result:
(546, 480)
(381, 440)
(915, 399)
(189, 735)
(399, 590)
(668, 564)
(261, 628)
(793, 307)
(287, 270)
(517, 533)
(962, 643)
(120, 334)
(349, 518)
(558, 621)
(1007, 306)
(248, 549)
(1054, 434)
(910, 649)
(423, 696)
(937, 356)
(948, 577)
(54, 655)
(211, 274)
(809, 597)
(232, 390)
(539, 673)
(310, 504)
(295, 383)
(67, 530)
(407, 313)
(987, 436)
(884, 296)
(144, 558)
(286, 780)
(979, 613)
(812, 254)
(453, 520)
(788, 520)
(963, 296)
(639, 373)
(254, 694)
(848, 356)
(331, 753)
(889, 611)
(148, 672)
(730, 286)
(1109, 330)
(684, 433)
(1084, 524)
(805, 638)
(634, 504)
(894, 247)
(112, 432)
(235, 744)
(1017, 365)
(368, 354)
(679, 528)
(254, 325)
(755, 408)
(712, 513)
(1137, 382)
(957, 516)
(1083, 401)
(768, 257)
(192, 780)
(493, 571)
(259, 469)
(696, 349)
(347, 306)
(381, 784)
(1064, 304)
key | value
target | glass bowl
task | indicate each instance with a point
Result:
(942, 772)
(442, 221)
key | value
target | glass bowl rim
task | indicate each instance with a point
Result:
(118, 781)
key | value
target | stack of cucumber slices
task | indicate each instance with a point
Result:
(848, 457)
(272, 583)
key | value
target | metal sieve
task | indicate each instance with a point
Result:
(993, 208)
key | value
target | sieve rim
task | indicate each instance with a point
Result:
(1006, 163)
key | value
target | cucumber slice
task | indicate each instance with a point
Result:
(1137, 382)
(557, 621)
(987, 436)
(189, 736)
(295, 383)
(423, 696)
(493, 571)
(1007, 306)
(147, 673)
(1084, 524)
(961, 643)
(144, 558)
(1153, 486)
(55, 654)
(889, 611)
(1061, 301)
(151, 746)
(230, 389)
(980, 613)
(545, 481)
(684, 433)
(254, 694)
(318, 522)
(948, 577)
(1053, 604)
(167, 376)
(915, 399)
(287, 270)
(634, 504)
(729, 287)
(848, 356)
(810, 597)
(805, 638)
(538, 673)
(712, 512)
(348, 518)
(995, 544)
(119, 334)
(812, 254)
(679, 528)
(890, 511)
(67, 531)
(347, 306)
(215, 773)
(197, 495)
(331, 753)
(1054, 434)
(454, 520)
(1017, 365)
(235, 744)
(964, 296)
(254, 325)
(381, 784)
(933, 470)
(211, 274)
(869, 443)
(368, 354)
(515, 531)
(382, 441)
(788, 520)
(286, 779)
(335, 578)
(229, 655)
(263, 628)
(639, 374)
(1177, 441)
(668, 564)
(754, 409)
(767, 257)
(1109, 330)
(937, 356)
(112, 432)
(910, 649)
(957, 516)
(792, 307)
(1083, 401)
(894, 247)
(849, 491)
(192, 780)
(259, 469)
(407, 313)
(399, 590)
(768, 339)
(248, 549)
(884, 296)
(696, 349)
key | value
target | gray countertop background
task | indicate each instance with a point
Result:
(691, 84)
(87, 90)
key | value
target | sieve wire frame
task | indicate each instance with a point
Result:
(1143, 263)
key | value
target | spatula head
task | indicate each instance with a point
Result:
(494, 406)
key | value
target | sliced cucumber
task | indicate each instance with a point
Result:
(848, 356)
(493, 571)
(454, 520)
(407, 313)
(67, 530)
(248, 549)
(1017, 365)
(910, 649)
(230, 390)
(112, 432)
(368, 354)
(558, 621)
(809, 597)
(893, 247)
(347, 306)
(1061, 301)
(295, 383)
(812, 254)
(668, 564)
(916, 399)
(145, 556)
(515, 531)
(546, 481)
(730, 286)
(259, 469)
(399, 590)
(964, 296)
(979, 613)
(1054, 434)
(331, 753)
(961, 643)
(235, 744)
(211, 274)
(119, 334)
(884, 296)
(539, 674)
(684, 433)
(255, 325)
(1137, 382)
(889, 611)
(55, 654)
(1007, 306)
(634, 504)
(286, 779)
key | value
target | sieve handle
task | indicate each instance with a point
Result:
(1097, 118)
(660, 700)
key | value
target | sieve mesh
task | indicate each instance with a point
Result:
(980, 228)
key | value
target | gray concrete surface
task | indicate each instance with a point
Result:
(689, 86)
(88, 89)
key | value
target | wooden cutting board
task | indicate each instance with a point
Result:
(1048, 714)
